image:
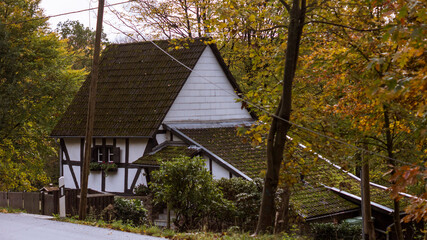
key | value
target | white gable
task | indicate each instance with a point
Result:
(207, 95)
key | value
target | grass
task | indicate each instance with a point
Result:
(11, 210)
(171, 234)
(232, 236)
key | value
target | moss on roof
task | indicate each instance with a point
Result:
(136, 87)
(166, 153)
(311, 201)
(236, 150)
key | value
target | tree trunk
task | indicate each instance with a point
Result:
(282, 221)
(279, 127)
(389, 145)
(368, 224)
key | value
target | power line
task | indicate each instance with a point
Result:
(66, 13)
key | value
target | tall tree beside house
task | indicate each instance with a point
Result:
(36, 85)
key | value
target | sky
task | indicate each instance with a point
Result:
(88, 18)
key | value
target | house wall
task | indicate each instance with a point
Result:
(113, 181)
(207, 95)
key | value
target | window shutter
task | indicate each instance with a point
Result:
(116, 155)
(94, 155)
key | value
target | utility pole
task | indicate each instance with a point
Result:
(368, 224)
(91, 113)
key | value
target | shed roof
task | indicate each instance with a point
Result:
(167, 152)
(137, 85)
(228, 145)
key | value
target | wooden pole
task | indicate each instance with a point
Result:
(368, 224)
(91, 113)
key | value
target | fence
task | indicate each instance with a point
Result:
(96, 201)
(47, 203)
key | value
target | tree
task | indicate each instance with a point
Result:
(188, 188)
(80, 40)
(36, 84)
(280, 125)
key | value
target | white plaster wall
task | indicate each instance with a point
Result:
(73, 147)
(136, 148)
(161, 138)
(95, 180)
(141, 177)
(207, 95)
(219, 172)
(114, 181)
(69, 183)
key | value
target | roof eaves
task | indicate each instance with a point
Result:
(217, 159)
(319, 217)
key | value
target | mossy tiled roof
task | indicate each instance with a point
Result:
(166, 153)
(236, 150)
(311, 201)
(331, 176)
(136, 87)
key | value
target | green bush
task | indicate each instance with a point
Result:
(188, 188)
(130, 210)
(331, 231)
(142, 190)
(245, 198)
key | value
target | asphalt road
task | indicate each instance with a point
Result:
(34, 227)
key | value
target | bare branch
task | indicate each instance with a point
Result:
(286, 5)
(272, 28)
(345, 26)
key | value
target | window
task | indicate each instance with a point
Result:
(106, 154)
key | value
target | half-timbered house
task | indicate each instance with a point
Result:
(149, 102)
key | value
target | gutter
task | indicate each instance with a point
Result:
(350, 174)
(357, 200)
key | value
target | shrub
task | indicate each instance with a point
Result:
(188, 188)
(130, 210)
(142, 190)
(331, 231)
(245, 198)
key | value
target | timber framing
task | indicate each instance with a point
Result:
(68, 160)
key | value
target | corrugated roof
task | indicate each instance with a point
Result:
(137, 85)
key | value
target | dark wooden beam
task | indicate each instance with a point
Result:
(126, 164)
(135, 178)
(67, 159)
